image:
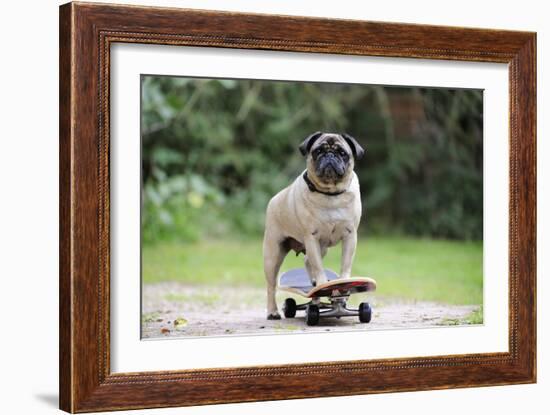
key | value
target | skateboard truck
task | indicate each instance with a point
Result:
(336, 308)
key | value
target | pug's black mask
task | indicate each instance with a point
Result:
(331, 160)
(332, 155)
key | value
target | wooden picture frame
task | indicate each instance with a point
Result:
(86, 33)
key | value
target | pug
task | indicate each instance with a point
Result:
(319, 209)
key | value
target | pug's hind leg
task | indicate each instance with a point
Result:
(274, 254)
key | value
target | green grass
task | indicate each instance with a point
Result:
(412, 269)
(476, 317)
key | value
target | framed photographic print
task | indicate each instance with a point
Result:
(255, 207)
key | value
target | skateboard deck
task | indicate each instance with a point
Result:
(297, 281)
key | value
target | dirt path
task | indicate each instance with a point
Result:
(178, 310)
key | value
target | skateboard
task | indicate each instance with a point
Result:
(337, 291)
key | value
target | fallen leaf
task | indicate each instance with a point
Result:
(180, 323)
(164, 330)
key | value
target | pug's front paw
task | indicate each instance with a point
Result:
(321, 279)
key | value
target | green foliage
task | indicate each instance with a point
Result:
(409, 268)
(177, 207)
(215, 151)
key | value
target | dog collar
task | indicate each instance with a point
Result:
(312, 187)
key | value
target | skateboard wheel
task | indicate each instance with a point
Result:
(312, 315)
(365, 312)
(289, 308)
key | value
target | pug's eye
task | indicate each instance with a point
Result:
(342, 153)
(317, 151)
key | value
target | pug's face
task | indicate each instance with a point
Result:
(330, 156)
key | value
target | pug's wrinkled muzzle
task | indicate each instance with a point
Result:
(329, 166)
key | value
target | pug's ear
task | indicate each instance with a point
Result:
(358, 151)
(308, 142)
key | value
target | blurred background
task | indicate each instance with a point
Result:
(215, 151)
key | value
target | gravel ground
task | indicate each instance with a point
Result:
(177, 310)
